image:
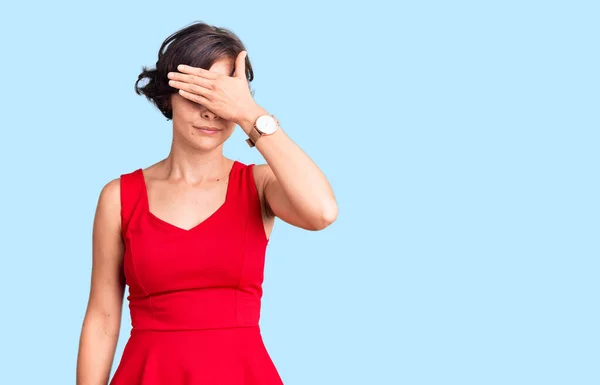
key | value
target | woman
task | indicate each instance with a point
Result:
(188, 234)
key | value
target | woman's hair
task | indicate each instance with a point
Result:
(197, 45)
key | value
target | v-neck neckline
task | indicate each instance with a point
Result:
(150, 214)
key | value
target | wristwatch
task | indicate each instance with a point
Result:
(264, 125)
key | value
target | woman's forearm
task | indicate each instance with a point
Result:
(97, 345)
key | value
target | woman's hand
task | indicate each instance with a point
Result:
(227, 96)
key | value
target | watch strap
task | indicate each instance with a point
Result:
(253, 137)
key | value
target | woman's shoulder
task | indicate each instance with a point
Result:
(109, 201)
(113, 190)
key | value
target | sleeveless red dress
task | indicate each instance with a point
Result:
(195, 295)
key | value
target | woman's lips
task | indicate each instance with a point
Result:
(207, 130)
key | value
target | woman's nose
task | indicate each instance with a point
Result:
(208, 114)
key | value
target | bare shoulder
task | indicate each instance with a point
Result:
(108, 209)
(111, 190)
(261, 173)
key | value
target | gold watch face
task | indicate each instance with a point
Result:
(266, 124)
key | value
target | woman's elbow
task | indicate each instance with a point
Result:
(328, 215)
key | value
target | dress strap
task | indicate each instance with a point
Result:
(250, 183)
(131, 188)
(250, 193)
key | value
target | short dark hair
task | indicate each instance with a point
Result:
(199, 45)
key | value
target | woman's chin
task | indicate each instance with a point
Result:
(206, 142)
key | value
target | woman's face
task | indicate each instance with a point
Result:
(188, 115)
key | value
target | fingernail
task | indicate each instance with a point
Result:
(181, 67)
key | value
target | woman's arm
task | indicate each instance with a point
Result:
(294, 188)
(100, 330)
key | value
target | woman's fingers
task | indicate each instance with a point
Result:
(195, 98)
(192, 88)
(191, 79)
(201, 72)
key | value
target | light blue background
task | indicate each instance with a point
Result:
(461, 140)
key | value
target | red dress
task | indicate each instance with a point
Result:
(195, 295)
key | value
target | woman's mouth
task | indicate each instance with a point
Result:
(207, 130)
